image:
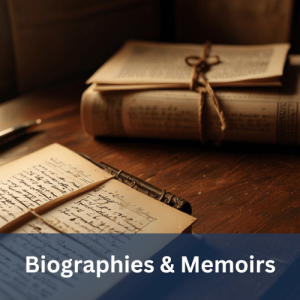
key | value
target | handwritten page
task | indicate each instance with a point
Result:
(41, 177)
(110, 208)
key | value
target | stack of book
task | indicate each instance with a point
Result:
(143, 91)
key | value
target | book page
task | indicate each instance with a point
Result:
(110, 208)
(40, 177)
(158, 63)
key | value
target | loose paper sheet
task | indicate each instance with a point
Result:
(155, 64)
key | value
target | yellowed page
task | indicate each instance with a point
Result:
(162, 63)
(112, 207)
(41, 177)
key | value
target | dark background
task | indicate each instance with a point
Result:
(50, 41)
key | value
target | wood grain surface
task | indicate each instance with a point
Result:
(232, 188)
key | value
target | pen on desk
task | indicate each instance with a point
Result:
(14, 132)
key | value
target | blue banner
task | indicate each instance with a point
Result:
(149, 266)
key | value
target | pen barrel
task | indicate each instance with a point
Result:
(12, 134)
(15, 132)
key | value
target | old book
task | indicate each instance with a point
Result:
(269, 115)
(55, 190)
(144, 65)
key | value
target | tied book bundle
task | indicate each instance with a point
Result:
(148, 90)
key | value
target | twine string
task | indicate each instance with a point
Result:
(199, 83)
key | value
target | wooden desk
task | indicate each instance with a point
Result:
(232, 188)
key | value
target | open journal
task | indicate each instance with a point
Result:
(148, 65)
(258, 115)
(56, 190)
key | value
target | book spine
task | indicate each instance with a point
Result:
(256, 117)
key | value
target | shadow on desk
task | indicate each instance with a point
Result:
(226, 147)
(18, 141)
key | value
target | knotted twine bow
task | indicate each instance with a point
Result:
(201, 65)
